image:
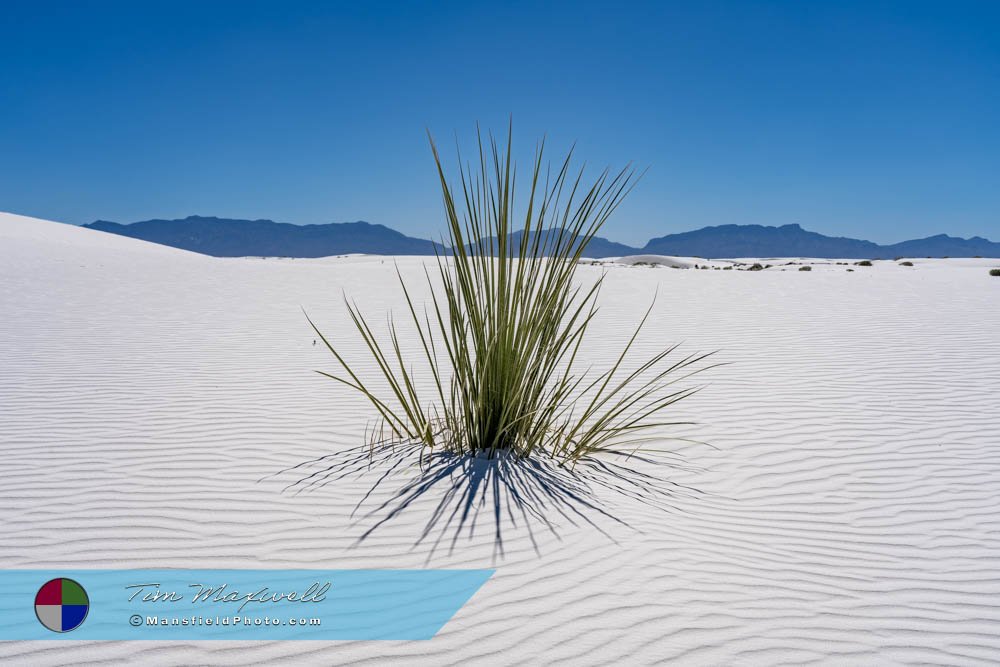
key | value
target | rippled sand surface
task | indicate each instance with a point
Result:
(845, 512)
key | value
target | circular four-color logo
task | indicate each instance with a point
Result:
(61, 605)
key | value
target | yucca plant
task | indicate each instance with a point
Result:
(502, 334)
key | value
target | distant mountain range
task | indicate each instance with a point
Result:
(793, 241)
(222, 237)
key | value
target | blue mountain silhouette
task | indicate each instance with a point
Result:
(223, 237)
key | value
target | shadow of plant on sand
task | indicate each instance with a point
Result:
(471, 492)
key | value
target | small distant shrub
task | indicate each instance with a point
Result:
(863, 262)
(906, 263)
(727, 268)
(756, 267)
(805, 268)
(850, 270)
(995, 272)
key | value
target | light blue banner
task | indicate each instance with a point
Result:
(232, 604)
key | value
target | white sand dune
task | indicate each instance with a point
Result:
(847, 513)
(658, 260)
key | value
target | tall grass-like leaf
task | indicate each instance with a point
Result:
(502, 333)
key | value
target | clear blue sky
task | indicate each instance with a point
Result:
(867, 119)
